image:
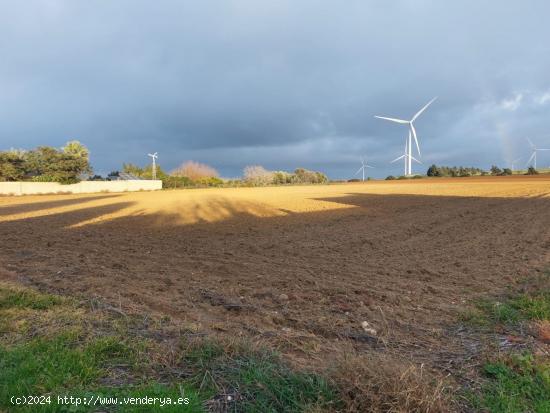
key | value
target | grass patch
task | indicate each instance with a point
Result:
(75, 362)
(525, 307)
(258, 378)
(65, 366)
(15, 298)
(518, 383)
(514, 382)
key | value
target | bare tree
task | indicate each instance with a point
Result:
(195, 171)
(257, 175)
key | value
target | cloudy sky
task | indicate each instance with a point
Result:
(282, 83)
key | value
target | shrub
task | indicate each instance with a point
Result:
(210, 181)
(390, 178)
(304, 176)
(176, 182)
(532, 171)
(282, 177)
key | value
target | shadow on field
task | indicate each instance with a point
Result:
(26, 207)
(304, 282)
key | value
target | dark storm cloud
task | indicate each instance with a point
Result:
(283, 83)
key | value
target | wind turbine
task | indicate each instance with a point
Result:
(534, 154)
(363, 166)
(412, 134)
(513, 163)
(154, 156)
(407, 155)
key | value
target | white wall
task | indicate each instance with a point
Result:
(35, 188)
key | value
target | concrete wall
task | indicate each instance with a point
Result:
(35, 188)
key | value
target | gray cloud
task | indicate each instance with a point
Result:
(284, 84)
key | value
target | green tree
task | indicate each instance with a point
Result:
(495, 170)
(49, 164)
(77, 150)
(12, 166)
(434, 171)
(130, 168)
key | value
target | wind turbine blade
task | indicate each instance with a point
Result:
(393, 120)
(531, 143)
(414, 159)
(368, 166)
(423, 109)
(543, 149)
(359, 170)
(415, 139)
(396, 159)
(531, 158)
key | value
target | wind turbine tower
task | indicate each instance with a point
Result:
(407, 156)
(364, 165)
(412, 134)
(154, 156)
(513, 163)
(533, 157)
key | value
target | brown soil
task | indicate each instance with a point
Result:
(300, 267)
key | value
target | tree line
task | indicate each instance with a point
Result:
(65, 165)
(196, 174)
(457, 171)
(70, 164)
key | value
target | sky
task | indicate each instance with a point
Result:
(281, 83)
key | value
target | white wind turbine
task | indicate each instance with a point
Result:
(407, 156)
(534, 154)
(154, 156)
(412, 134)
(364, 165)
(514, 162)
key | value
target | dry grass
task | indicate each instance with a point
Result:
(543, 331)
(382, 383)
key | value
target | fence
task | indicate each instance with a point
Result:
(84, 187)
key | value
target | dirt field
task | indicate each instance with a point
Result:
(299, 267)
